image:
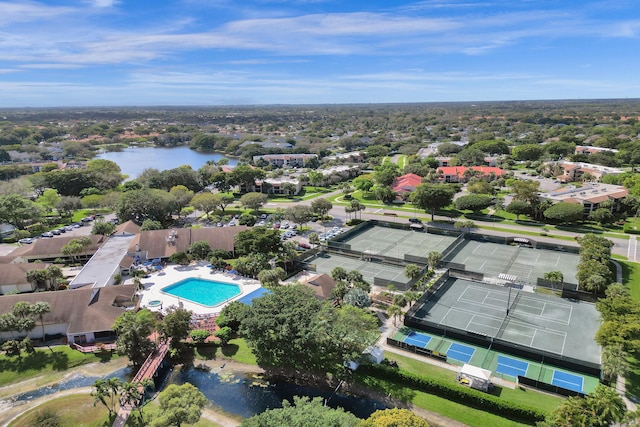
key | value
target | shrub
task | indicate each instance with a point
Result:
(456, 393)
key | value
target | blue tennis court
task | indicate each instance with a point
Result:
(512, 367)
(460, 352)
(417, 339)
(567, 380)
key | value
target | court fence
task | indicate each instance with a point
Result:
(548, 387)
(464, 274)
(454, 248)
(418, 350)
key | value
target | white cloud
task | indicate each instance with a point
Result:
(101, 4)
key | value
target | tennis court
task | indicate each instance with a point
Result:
(502, 365)
(460, 352)
(567, 380)
(324, 263)
(512, 367)
(396, 243)
(526, 263)
(417, 339)
(524, 319)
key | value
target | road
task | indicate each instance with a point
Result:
(625, 245)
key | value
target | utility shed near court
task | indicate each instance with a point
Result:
(478, 378)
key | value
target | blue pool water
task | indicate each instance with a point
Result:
(204, 292)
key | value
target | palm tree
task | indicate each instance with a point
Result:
(395, 312)
(106, 392)
(412, 271)
(434, 258)
(22, 312)
(39, 309)
(614, 361)
(53, 273)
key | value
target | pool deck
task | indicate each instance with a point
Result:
(175, 273)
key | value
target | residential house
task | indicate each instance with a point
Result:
(589, 195)
(82, 315)
(406, 183)
(13, 277)
(286, 160)
(279, 186)
(588, 149)
(574, 171)
(322, 285)
(461, 173)
(162, 244)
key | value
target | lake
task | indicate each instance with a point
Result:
(133, 160)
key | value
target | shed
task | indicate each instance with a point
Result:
(477, 378)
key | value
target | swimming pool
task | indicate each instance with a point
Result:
(204, 292)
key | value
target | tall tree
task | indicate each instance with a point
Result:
(432, 197)
(305, 412)
(107, 391)
(176, 326)
(253, 201)
(39, 309)
(179, 404)
(133, 331)
(321, 206)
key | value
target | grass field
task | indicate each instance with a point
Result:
(631, 277)
(44, 363)
(78, 410)
(456, 411)
(237, 350)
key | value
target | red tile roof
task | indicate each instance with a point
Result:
(460, 170)
(406, 183)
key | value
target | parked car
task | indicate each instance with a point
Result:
(26, 241)
(276, 225)
(47, 234)
(415, 220)
(55, 232)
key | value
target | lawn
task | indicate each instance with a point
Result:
(236, 350)
(45, 363)
(79, 410)
(442, 406)
(631, 277)
(540, 401)
(633, 377)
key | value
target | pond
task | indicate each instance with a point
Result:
(248, 394)
(236, 393)
(133, 160)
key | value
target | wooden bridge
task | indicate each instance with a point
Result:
(146, 371)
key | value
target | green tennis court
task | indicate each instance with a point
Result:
(396, 243)
(526, 263)
(524, 319)
(324, 263)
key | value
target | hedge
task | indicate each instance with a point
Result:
(463, 395)
(629, 229)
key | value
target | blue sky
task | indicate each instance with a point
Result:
(225, 52)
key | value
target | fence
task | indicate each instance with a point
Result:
(548, 387)
(464, 274)
(426, 296)
(497, 344)
(418, 350)
(455, 247)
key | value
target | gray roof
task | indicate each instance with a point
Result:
(102, 266)
(70, 307)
